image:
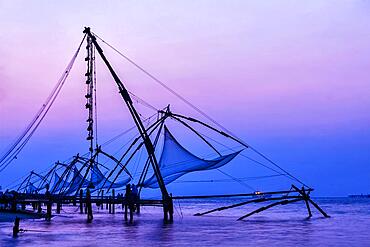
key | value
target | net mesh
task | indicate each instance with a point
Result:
(176, 161)
(101, 182)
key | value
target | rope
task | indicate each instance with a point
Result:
(226, 180)
(15, 149)
(237, 180)
(197, 109)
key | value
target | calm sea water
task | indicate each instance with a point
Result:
(349, 225)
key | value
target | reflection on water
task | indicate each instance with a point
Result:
(282, 226)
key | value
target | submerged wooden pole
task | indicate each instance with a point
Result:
(126, 207)
(165, 210)
(39, 208)
(58, 207)
(102, 199)
(16, 227)
(306, 196)
(48, 210)
(246, 202)
(110, 204)
(127, 199)
(49, 204)
(81, 204)
(170, 208)
(89, 206)
(283, 202)
(309, 200)
(113, 205)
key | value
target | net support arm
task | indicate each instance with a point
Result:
(126, 97)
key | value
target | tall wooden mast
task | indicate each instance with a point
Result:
(139, 124)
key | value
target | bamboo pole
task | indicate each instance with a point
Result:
(283, 202)
(246, 202)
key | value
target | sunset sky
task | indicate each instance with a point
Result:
(291, 78)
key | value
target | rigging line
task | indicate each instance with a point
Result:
(154, 127)
(237, 180)
(245, 156)
(143, 102)
(226, 180)
(44, 110)
(106, 143)
(19, 149)
(13, 185)
(137, 136)
(198, 134)
(137, 163)
(196, 108)
(241, 142)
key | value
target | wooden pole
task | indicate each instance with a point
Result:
(89, 206)
(312, 202)
(165, 210)
(126, 207)
(58, 207)
(305, 196)
(283, 202)
(16, 227)
(110, 204)
(39, 208)
(102, 199)
(113, 205)
(81, 204)
(170, 208)
(49, 204)
(246, 202)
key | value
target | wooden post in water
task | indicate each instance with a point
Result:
(305, 196)
(127, 199)
(49, 204)
(102, 199)
(110, 204)
(165, 210)
(89, 206)
(39, 208)
(113, 202)
(170, 208)
(309, 200)
(58, 207)
(16, 227)
(107, 205)
(126, 207)
(81, 204)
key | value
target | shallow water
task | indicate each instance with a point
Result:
(349, 225)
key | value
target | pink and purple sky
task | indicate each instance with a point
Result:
(292, 78)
